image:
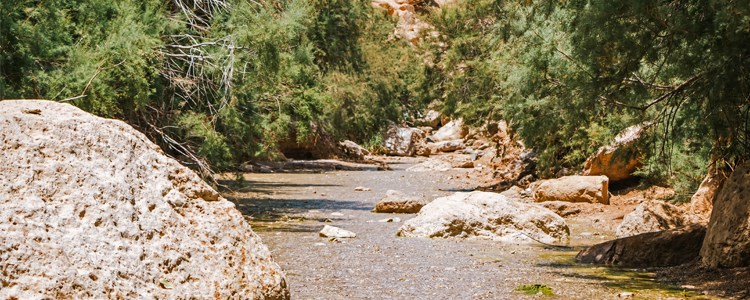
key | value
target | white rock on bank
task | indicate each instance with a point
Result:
(90, 208)
(486, 216)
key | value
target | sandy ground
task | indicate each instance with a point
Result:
(289, 209)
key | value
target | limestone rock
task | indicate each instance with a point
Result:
(727, 242)
(335, 232)
(651, 216)
(398, 202)
(592, 189)
(486, 216)
(702, 202)
(401, 141)
(453, 130)
(353, 150)
(446, 146)
(90, 208)
(619, 160)
(654, 249)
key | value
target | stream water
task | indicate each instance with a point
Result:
(288, 210)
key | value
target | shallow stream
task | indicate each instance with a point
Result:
(287, 210)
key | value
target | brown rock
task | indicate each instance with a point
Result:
(654, 249)
(400, 203)
(727, 242)
(592, 189)
(90, 208)
(619, 160)
(651, 216)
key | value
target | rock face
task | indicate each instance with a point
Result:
(353, 150)
(651, 216)
(401, 141)
(487, 216)
(619, 160)
(89, 208)
(592, 189)
(727, 242)
(654, 249)
(702, 202)
(400, 203)
(454, 130)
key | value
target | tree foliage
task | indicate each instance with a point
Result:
(223, 81)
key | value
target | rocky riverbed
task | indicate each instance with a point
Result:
(289, 209)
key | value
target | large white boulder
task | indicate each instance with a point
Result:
(90, 208)
(403, 141)
(453, 130)
(486, 216)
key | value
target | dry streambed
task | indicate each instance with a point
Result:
(289, 209)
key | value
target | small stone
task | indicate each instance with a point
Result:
(335, 232)
(625, 295)
(337, 214)
(362, 189)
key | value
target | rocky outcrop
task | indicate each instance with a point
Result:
(727, 242)
(702, 202)
(453, 130)
(400, 203)
(90, 208)
(619, 160)
(486, 216)
(352, 150)
(654, 249)
(592, 189)
(651, 216)
(403, 141)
